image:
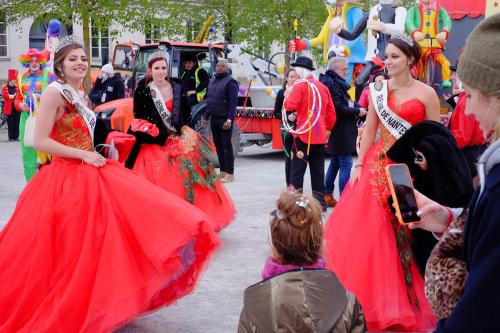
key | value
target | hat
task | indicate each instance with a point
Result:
(108, 68)
(12, 74)
(42, 57)
(190, 57)
(304, 62)
(479, 65)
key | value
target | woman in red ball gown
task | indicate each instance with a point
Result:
(169, 154)
(365, 245)
(91, 245)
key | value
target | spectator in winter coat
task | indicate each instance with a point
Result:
(9, 94)
(298, 295)
(107, 87)
(342, 140)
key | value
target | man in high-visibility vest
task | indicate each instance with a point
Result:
(195, 80)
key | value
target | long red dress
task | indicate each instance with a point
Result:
(182, 166)
(88, 249)
(368, 250)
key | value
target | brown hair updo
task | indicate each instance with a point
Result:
(296, 230)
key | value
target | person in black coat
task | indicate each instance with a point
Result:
(477, 310)
(144, 108)
(108, 87)
(290, 77)
(439, 171)
(342, 141)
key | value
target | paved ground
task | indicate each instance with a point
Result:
(216, 303)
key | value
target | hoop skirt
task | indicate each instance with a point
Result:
(182, 166)
(88, 249)
(368, 250)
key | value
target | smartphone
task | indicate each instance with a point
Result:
(402, 193)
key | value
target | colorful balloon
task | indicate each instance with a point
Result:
(242, 89)
(269, 91)
(54, 28)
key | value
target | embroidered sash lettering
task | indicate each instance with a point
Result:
(159, 103)
(395, 124)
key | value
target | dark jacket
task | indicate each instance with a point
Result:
(478, 310)
(144, 108)
(222, 97)
(189, 80)
(113, 88)
(447, 180)
(278, 104)
(301, 301)
(343, 137)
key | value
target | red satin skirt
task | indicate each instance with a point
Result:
(88, 249)
(182, 167)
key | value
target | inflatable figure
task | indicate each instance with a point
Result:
(348, 14)
(429, 24)
(385, 18)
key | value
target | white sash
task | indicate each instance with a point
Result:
(73, 97)
(160, 106)
(394, 123)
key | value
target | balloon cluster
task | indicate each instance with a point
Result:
(254, 113)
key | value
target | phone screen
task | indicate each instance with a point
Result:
(403, 187)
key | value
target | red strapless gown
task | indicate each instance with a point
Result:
(88, 249)
(182, 167)
(361, 246)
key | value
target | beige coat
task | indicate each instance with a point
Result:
(301, 301)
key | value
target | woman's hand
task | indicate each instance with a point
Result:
(433, 216)
(356, 175)
(94, 159)
(420, 160)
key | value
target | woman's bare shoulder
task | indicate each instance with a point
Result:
(52, 96)
(425, 89)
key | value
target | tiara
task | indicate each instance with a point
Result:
(69, 40)
(158, 54)
(402, 36)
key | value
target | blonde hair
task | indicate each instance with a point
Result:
(296, 229)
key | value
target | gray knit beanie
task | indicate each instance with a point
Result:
(479, 65)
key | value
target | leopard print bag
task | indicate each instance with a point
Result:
(446, 273)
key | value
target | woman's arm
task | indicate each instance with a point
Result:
(369, 132)
(50, 101)
(431, 103)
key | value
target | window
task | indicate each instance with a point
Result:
(153, 33)
(3, 36)
(100, 43)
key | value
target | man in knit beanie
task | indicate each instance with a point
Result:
(479, 65)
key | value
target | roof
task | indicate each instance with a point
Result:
(458, 9)
(174, 43)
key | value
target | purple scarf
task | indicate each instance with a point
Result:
(272, 268)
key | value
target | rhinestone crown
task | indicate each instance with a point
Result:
(158, 54)
(404, 37)
(68, 40)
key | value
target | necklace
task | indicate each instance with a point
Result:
(406, 85)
